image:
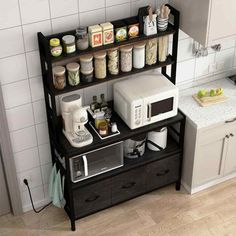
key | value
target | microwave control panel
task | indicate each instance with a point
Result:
(137, 115)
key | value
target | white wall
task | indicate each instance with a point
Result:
(20, 73)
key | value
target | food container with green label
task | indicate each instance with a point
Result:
(73, 73)
(120, 30)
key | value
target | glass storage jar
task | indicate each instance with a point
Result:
(59, 77)
(82, 38)
(87, 76)
(73, 73)
(126, 58)
(69, 44)
(113, 61)
(100, 65)
(139, 55)
(151, 51)
(86, 63)
(55, 47)
(163, 48)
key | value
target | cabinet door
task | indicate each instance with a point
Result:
(222, 20)
(128, 185)
(211, 153)
(162, 172)
(230, 161)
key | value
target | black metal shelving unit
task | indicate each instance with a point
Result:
(78, 201)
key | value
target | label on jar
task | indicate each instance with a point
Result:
(70, 49)
(121, 34)
(108, 36)
(102, 132)
(96, 39)
(133, 31)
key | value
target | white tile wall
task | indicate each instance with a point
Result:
(21, 81)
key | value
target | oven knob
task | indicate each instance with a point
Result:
(137, 122)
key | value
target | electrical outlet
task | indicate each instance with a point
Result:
(29, 179)
(212, 67)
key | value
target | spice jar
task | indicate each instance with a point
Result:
(100, 65)
(69, 44)
(120, 29)
(108, 33)
(126, 59)
(87, 76)
(82, 38)
(55, 47)
(95, 35)
(73, 73)
(99, 118)
(132, 27)
(59, 77)
(151, 51)
(86, 63)
(139, 55)
(103, 128)
(113, 61)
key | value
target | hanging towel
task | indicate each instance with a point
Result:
(52, 180)
(58, 196)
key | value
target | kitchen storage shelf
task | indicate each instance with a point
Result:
(136, 177)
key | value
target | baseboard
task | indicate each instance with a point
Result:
(212, 183)
(187, 188)
(37, 204)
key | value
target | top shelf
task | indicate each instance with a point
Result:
(67, 58)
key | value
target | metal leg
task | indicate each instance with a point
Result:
(178, 185)
(73, 228)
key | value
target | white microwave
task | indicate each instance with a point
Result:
(145, 99)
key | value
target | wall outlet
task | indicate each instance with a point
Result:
(212, 67)
(29, 179)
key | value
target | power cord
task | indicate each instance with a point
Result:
(31, 199)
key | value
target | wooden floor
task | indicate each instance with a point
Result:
(161, 213)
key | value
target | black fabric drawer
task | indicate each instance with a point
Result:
(92, 198)
(128, 185)
(162, 172)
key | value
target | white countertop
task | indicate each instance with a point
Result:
(203, 117)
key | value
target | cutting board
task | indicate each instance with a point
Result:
(207, 101)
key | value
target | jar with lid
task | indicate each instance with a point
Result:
(133, 26)
(87, 76)
(100, 65)
(120, 30)
(126, 58)
(113, 61)
(69, 44)
(95, 35)
(86, 63)
(82, 38)
(108, 33)
(59, 77)
(73, 73)
(55, 47)
(103, 128)
(151, 51)
(139, 55)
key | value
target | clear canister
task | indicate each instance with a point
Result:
(100, 65)
(113, 61)
(139, 55)
(69, 43)
(126, 58)
(59, 77)
(151, 51)
(86, 63)
(73, 73)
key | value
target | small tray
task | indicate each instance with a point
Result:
(110, 134)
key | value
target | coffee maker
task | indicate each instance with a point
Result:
(74, 118)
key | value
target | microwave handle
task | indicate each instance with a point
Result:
(85, 165)
(149, 111)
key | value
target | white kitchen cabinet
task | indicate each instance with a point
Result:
(207, 21)
(209, 155)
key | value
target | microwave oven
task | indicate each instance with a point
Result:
(145, 99)
(96, 162)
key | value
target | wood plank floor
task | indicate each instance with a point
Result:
(164, 212)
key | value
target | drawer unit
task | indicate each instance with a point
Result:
(92, 198)
(128, 185)
(162, 172)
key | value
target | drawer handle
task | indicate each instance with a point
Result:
(92, 199)
(128, 185)
(230, 121)
(164, 172)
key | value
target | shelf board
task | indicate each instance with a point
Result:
(109, 77)
(67, 58)
(125, 133)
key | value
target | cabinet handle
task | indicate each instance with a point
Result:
(230, 121)
(231, 135)
(227, 136)
(163, 172)
(128, 185)
(92, 199)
